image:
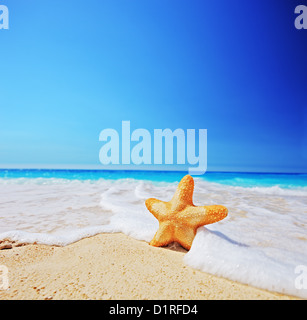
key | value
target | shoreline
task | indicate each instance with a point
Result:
(114, 267)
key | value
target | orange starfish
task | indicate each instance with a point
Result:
(179, 218)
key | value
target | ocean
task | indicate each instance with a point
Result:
(262, 242)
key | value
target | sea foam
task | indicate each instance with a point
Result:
(261, 242)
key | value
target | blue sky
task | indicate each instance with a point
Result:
(70, 69)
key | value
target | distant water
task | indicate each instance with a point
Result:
(261, 242)
(282, 180)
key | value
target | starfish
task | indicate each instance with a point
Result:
(180, 218)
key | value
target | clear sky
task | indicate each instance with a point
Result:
(70, 69)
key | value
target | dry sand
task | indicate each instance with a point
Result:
(113, 266)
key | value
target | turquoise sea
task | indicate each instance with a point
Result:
(283, 180)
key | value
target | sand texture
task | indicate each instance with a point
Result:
(113, 266)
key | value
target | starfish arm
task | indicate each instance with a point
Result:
(215, 213)
(185, 236)
(184, 193)
(163, 236)
(200, 216)
(157, 207)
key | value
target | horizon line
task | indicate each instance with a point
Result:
(177, 170)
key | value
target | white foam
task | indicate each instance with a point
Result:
(263, 268)
(260, 243)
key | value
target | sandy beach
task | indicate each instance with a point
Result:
(113, 266)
